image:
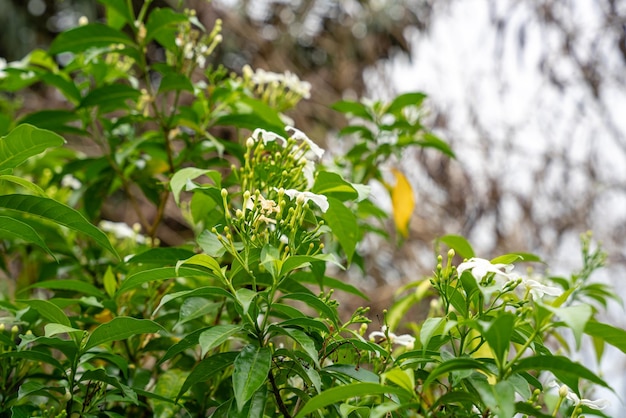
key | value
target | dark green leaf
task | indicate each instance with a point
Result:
(333, 185)
(121, 8)
(459, 244)
(94, 35)
(56, 212)
(162, 25)
(353, 108)
(206, 369)
(110, 97)
(158, 274)
(121, 328)
(48, 310)
(217, 335)
(344, 225)
(252, 366)
(499, 334)
(69, 284)
(24, 142)
(455, 364)
(54, 120)
(342, 393)
(567, 371)
(404, 100)
(11, 228)
(175, 82)
(609, 334)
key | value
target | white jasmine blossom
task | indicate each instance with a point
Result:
(479, 267)
(320, 200)
(538, 289)
(267, 136)
(301, 136)
(121, 231)
(405, 340)
(565, 392)
(70, 181)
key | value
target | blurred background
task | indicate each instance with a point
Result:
(531, 94)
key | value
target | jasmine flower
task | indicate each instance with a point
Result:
(320, 200)
(405, 340)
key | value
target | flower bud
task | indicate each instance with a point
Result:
(14, 329)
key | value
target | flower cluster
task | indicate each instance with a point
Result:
(194, 46)
(279, 90)
(500, 277)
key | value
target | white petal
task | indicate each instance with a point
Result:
(301, 136)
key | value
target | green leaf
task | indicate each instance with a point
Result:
(206, 369)
(404, 100)
(500, 398)
(175, 82)
(607, 333)
(204, 261)
(69, 284)
(189, 341)
(157, 274)
(110, 97)
(513, 257)
(200, 292)
(333, 185)
(167, 387)
(101, 375)
(110, 282)
(11, 228)
(567, 371)
(38, 191)
(54, 120)
(360, 374)
(252, 366)
(344, 225)
(57, 212)
(181, 180)
(499, 335)
(161, 255)
(353, 108)
(575, 317)
(342, 393)
(314, 302)
(251, 114)
(459, 244)
(162, 25)
(33, 356)
(48, 310)
(121, 328)
(94, 35)
(121, 9)
(215, 336)
(307, 344)
(404, 378)
(245, 297)
(429, 328)
(24, 142)
(454, 364)
(431, 141)
(194, 307)
(50, 330)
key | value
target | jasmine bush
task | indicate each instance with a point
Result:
(243, 320)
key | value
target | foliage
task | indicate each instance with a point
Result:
(105, 321)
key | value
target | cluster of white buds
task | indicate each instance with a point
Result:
(195, 47)
(279, 90)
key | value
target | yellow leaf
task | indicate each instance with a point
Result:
(403, 202)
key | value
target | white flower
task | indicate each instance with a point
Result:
(267, 136)
(70, 181)
(405, 340)
(479, 267)
(301, 136)
(121, 231)
(318, 199)
(538, 290)
(565, 392)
